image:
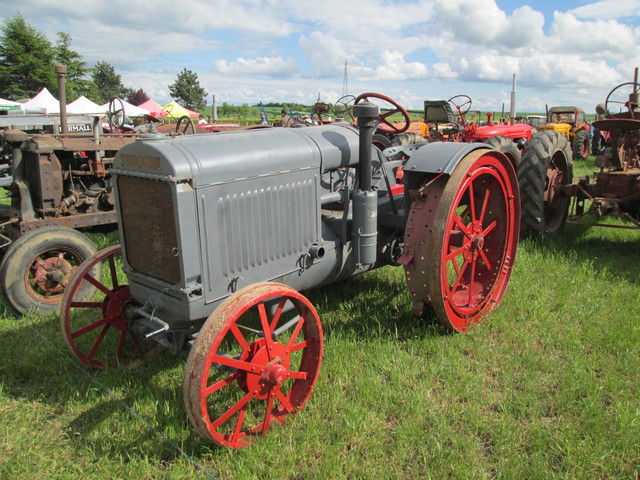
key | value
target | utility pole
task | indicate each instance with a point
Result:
(345, 82)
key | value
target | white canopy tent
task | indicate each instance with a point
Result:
(130, 111)
(10, 105)
(43, 102)
(83, 106)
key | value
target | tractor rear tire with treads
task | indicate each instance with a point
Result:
(507, 146)
(546, 163)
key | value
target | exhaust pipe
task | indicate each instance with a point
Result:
(61, 71)
(365, 199)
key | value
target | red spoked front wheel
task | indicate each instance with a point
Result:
(255, 360)
(470, 234)
(94, 323)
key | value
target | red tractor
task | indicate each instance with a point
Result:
(442, 125)
(550, 199)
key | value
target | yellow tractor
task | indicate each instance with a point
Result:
(570, 122)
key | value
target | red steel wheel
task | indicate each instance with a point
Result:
(95, 325)
(248, 365)
(470, 233)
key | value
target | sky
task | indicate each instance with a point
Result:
(246, 51)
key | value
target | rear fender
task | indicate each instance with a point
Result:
(439, 157)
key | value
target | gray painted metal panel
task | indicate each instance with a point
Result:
(440, 157)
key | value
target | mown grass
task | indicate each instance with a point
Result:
(546, 387)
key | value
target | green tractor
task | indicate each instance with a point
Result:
(570, 122)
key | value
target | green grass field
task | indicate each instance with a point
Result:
(547, 387)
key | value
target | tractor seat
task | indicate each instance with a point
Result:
(438, 111)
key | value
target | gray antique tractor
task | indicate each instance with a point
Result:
(220, 232)
(549, 196)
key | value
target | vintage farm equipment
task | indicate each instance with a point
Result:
(220, 233)
(549, 198)
(59, 183)
(572, 123)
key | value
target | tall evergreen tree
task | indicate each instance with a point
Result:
(108, 82)
(77, 82)
(187, 91)
(27, 60)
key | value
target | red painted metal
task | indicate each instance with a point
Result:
(49, 272)
(241, 376)
(461, 240)
(96, 328)
(385, 125)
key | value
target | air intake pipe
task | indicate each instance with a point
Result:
(365, 199)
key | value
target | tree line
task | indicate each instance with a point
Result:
(27, 65)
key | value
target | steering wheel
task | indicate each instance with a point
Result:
(631, 107)
(464, 100)
(188, 124)
(345, 104)
(115, 113)
(385, 126)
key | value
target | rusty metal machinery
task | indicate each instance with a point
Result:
(56, 171)
(550, 198)
(221, 232)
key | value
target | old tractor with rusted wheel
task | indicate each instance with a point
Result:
(221, 232)
(550, 198)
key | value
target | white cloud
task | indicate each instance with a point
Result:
(608, 10)
(272, 66)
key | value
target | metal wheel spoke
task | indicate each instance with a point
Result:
(472, 280)
(491, 226)
(232, 411)
(214, 387)
(121, 340)
(454, 253)
(294, 335)
(460, 273)
(485, 259)
(97, 284)
(472, 203)
(90, 327)
(237, 431)
(86, 304)
(268, 415)
(237, 364)
(268, 333)
(284, 401)
(485, 204)
(239, 336)
(300, 346)
(98, 342)
(136, 343)
(464, 228)
(114, 273)
(278, 312)
(298, 375)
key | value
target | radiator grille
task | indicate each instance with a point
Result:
(265, 225)
(149, 230)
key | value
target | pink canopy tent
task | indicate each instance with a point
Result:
(154, 108)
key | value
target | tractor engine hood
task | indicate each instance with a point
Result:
(208, 159)
(518, 130)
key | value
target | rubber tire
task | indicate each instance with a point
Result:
(381, 141)
(580, 139)
(507, 146)
(597, 143)
(406, 138)
(532, 179)
(22, 251)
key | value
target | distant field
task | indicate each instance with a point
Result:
(545, 388)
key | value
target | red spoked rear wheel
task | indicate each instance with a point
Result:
(470, 230)
(95, 324)
(255, 360)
